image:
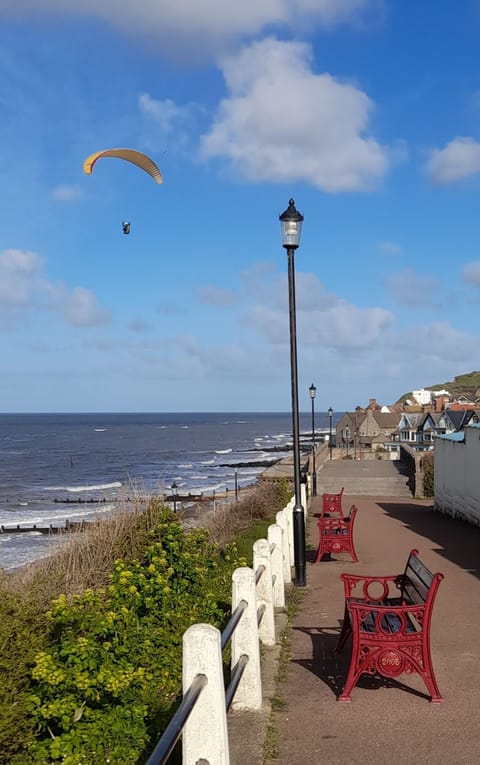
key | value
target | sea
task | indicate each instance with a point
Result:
(60, 468)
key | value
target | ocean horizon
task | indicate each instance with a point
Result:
(59, 467)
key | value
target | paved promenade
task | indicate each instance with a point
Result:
(387, 723)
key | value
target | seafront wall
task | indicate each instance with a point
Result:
(457, 478)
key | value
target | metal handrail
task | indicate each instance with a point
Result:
(237, 674)
(260, 614)
(232, 624)
(258, 573)
(173, 731)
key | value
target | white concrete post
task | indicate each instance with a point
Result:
(205, 735)
(281, 519)
(274, 536)
(290, 510)
(261, 557)
(245, 641)
(303, 499)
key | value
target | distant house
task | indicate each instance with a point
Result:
(460, 418)
(348, 426)
(418, 429)
(368, 429)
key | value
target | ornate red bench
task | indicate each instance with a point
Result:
(336, 535)
(389, 620)
(332, 503)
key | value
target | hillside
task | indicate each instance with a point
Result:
(467, 385)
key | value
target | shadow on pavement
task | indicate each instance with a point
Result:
(457, 540)
(331, 668)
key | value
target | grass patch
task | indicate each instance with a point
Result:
(294, 598)
(248, 537)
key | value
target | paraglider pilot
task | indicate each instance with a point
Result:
(126, 226)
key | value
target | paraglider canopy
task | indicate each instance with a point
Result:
(130, 155)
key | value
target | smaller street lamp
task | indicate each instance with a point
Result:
(313, 392)
(330, 415)
(174, 492)
(347, 436)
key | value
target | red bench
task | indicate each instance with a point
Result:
(336, 535)
(389, 618)
(332, 504)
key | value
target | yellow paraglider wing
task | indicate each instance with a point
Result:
(130, 155)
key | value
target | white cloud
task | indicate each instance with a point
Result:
(390, 248)
(323, 319)
(78, 306)
(169, 119)
(412, 289)
(211, 295)
(282, 122)
(170, 309)
(24, 289)
(19, 278)
(471, 273)
(459, 159)
(139, 325)
(430, 341)
(226, 362)
(66, 193)
(186, 26)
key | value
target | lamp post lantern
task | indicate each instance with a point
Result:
(291, 223)
(312, 389)
(174, 493)
(330, 415)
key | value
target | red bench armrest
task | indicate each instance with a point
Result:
(371, 588)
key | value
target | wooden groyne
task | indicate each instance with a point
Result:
(69, 526)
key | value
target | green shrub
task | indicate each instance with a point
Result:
(22, 636)
(91, 636)
(428, 464)
(111, 673)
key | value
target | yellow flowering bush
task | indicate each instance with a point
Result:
(111, 675)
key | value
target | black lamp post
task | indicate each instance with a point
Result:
(291, 223)
(347, 436)
(330, 415)
(313, 392)
(174, 492)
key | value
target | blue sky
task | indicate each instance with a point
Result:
(367, 112)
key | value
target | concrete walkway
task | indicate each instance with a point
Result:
(387, 722)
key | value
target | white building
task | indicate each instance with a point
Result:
(422, 396)
(457, 477)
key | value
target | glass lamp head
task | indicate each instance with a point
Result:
(291, 222)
